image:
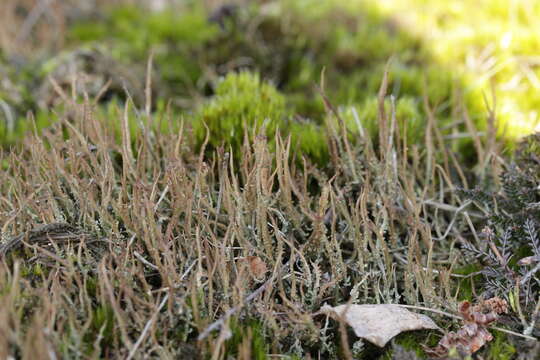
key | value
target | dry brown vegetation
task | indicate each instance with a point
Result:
(119, 240)
(162, 242)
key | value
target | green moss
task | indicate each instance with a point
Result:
(250, 333)
(87, 32)
(141, 29)
(466, 284)
(102, 324)
(292, 43)
(101, 327)
(309, 140)
(294, 357)
(242, 103)
(363, 118)
(413, 341)
(33, 272)
(246, 104)
(470, 43)
(91, 286)
(499, 348)
(38, 122)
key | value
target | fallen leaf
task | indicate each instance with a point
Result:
(379, 323)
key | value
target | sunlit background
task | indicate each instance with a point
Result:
(463, 55)
(484, 41)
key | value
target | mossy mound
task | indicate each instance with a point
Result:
(245, 104)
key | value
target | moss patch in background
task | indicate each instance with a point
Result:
(178, 39)
(245, 103)
(438, 50)
(482, 42)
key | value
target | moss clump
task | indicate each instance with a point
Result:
(245, 103)
(9, 135)
(132, 33)
(500, 348)
(248, 338)
(102, 326)
(310, 140)
(242, 102)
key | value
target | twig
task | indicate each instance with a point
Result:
(513, 333)
(144, 261)
(188, 270)
(463, 135)
(459, 317)
(163, 194)
(528, 330)
(451, 208)
(148, 87)
(440, 312)
(42, 234)
(435, 271)
(147, 328)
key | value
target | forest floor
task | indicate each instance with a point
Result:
(216, 181)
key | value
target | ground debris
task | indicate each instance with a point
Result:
(474, 333)
(42, 235)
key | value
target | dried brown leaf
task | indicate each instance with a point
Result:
(379, 323)
(257, 267)
(474, 333)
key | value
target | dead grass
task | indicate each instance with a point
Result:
(160, 238)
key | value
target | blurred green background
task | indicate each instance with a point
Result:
(232, 65)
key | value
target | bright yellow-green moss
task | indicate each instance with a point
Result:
(245, 104)
(484, 41)
(242, 102)
(439, 50)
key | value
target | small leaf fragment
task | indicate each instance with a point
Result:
(257, 267)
